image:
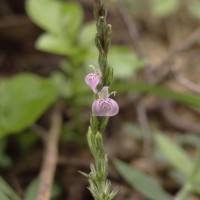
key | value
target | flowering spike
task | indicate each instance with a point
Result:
(92, 79)
(105, 107)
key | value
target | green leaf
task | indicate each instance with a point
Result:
(55, 44)
(87, 34)
(32, 189)
(164, 8)
(174, 154)
(63, 85)
(3, 196)
(6, 192)
(185, 98)
(193, 7)
(145, 184)
(45, 13)
(195, 174)
(71, 19)
(24, 99)
(56, 17)
(124, 62)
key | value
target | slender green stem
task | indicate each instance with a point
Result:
(100, 187)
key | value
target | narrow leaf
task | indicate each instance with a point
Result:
(145, 184)
(6, 192)
(31, 190)
(174, 154)
(195, 175)
(162, 91)
(3, 196)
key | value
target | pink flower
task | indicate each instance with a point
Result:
(105, 106)
(93, 79)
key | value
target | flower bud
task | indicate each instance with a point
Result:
(92, 79)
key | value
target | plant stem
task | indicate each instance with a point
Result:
(50, 157)
(100, 187)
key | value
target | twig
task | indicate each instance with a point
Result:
(50, 157)
(161, 69)
(175, 120)
(135, 37)
(187, 83)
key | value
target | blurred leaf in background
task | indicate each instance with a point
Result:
(194, 177)
(6, 192)
(31, 191)
(144, 183)
(65, 20)
(162, 91)
(86, 34)
(188, 168)
(164, 8)
(174, 154)
(55, 44)
(124, 63)
(193, 7)
(24, 99)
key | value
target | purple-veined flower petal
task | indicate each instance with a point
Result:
(92, 79)
(105, 107)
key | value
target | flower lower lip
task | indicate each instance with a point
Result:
(105, 107)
